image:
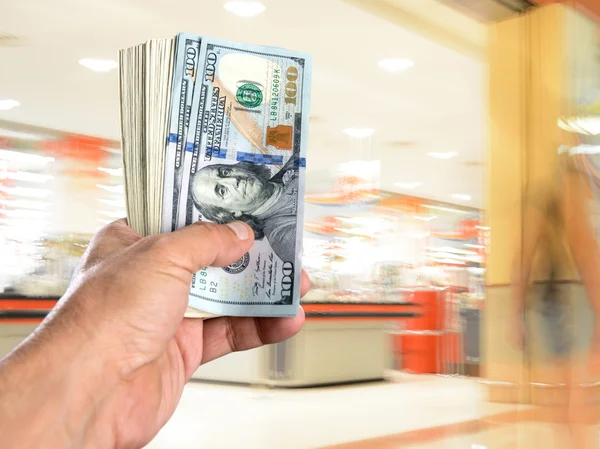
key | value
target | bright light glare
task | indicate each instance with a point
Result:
(22, 157)
(24, 204)
(395, 64)
(112, 171)
(6, 105)
(99, 65)
(26, 192)
(113, 189)
(584, 149)
(461, 197)
(418, 236)
(449, 249)
(114, 213)
(446, 209)
(26, 176)
(24, 213)
(244, 8)
(359, 133)
(468, 245)
(113, 203)
(581, 125)
(26, 229)
(429, 218)
(446, 155)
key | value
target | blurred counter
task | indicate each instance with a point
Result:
(340, 343)
(19, 316)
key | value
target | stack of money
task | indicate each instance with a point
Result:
(216, 131)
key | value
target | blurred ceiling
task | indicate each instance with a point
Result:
(436, 106)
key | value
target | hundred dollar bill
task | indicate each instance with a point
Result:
(246, 156)
(185, 68)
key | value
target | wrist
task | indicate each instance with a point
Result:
(51, 392)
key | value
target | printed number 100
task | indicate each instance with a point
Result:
(291, 88)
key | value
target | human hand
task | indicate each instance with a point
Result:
(119, 342)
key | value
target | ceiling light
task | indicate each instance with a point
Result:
(26, 191)
(418, 236)
(395, 64)
(429, 218)
(112, 171)
(113, 213)
(446, 209)
(5, 105)
(24, 204)
(589, 126)
(244, 8)
(584, 149)
(359, 133)
(446, 155)
(408, 185)
(19, 156)
(99, 65)
(113, 203)
(113, 189)
(26, 176)
(461, 197)
(24, 213)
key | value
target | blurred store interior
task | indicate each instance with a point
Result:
(428, 117)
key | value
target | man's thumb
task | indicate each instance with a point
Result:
(207, 244)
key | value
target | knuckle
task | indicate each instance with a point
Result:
(208, 227)
(158, 244)
(212, 232)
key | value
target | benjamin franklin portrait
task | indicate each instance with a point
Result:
(248, 192)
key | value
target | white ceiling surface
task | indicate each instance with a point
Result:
(437, 106)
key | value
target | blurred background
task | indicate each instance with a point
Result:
(429, 118)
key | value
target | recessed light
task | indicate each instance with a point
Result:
(25, 204)
(99, 65)
(23, 157)
(112, 171)
(26, 191)
(461, 197)
(408, 185)
(37, 178)
(395, 64)
(113, 189)
(244, 9)
(589, 126)
(425, 218)
(5, 105)
(359, 133)
(446, 155)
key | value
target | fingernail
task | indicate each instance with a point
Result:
(240, 229)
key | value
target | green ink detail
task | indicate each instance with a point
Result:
(249, 96)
